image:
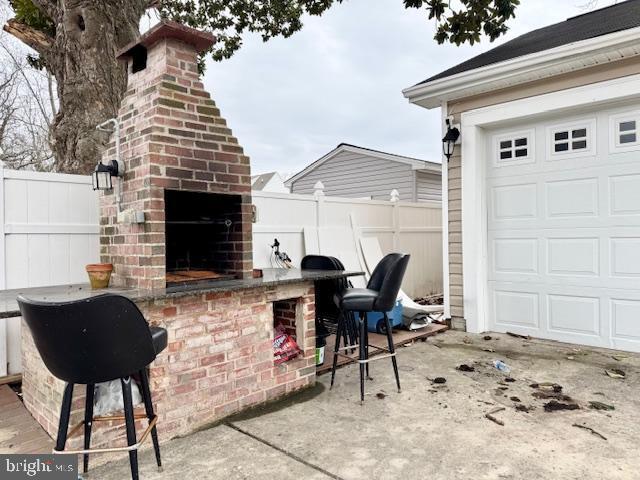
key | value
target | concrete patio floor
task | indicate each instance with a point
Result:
(430, 431)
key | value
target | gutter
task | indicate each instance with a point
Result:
(521, 69)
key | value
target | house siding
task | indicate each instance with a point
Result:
(355, 175)
(588, 76)
(428, 187)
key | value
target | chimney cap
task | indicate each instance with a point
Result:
(200, 40)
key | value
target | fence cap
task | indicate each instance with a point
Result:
(318, 189)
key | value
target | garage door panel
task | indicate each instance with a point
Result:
(570, 198)
(573, 314)
(573, 256)
(514, 309)
(514, 202)
(624, 195)
(516, 255)
(625, 319)
(564, 237)
(625, 257)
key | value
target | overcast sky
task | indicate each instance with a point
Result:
(340, 79)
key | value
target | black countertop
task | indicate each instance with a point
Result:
(65, 293)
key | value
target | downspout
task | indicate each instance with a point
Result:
(445, 221)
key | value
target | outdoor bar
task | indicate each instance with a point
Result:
(177, 228)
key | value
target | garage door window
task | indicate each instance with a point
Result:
(624, 132)
(571, 140)
(513, 148)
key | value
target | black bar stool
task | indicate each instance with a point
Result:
(379, 296)
(326, 309)
(91, 341)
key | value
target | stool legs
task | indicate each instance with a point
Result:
(353, 330)
(366, 346)
(363, 346)
(363, 352)
(340, 329)
(88, 422)
(392, 349)
(148, 406)
(65, 413)
(131, 425)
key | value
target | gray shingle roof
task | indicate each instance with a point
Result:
(260, 181)
(615, 18)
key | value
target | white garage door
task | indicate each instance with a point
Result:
(563, 204)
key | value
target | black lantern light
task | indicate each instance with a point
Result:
(449, 140)
(102, 175)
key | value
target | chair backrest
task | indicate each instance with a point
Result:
(325, 289)
(386, 279)
(318, 262)
(92, 340)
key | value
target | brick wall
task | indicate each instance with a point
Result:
(219, 361)
(172, 137)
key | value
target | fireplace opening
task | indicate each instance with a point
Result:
(203, 237)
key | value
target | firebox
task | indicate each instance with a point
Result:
(203, 236)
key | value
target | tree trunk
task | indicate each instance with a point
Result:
(90, 81)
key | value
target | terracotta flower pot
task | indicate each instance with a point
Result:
(99, 274)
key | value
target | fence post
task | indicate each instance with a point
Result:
(395, 201)
(318, 195)
(4, 347)
(3, 202)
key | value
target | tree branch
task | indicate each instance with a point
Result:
(36, 97)
(39, 41)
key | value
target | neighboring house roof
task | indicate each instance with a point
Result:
(258, 182)
(563, 47)
(416, 164)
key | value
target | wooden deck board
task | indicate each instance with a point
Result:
(19, 431)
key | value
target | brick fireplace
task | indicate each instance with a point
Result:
(187, 177)
(185, 173)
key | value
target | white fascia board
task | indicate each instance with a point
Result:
(520, 70)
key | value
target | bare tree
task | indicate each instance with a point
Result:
(27, 109)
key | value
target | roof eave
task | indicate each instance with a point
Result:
(522, 69)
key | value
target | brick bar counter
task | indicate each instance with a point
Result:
(219, 360)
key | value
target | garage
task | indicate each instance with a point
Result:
(563, 228)
(541, 185)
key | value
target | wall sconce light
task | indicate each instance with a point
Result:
(103, 173)
(449, 140)
(101, 176)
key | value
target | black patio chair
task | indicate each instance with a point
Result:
(91, 341)
(380, 296)
(327, 312)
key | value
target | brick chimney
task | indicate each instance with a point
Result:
(172, 140)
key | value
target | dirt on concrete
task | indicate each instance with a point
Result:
(435, 431)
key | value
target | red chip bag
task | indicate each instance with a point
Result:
(284, 348)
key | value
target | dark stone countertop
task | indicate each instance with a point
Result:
(65, 293)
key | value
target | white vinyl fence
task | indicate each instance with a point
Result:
(306, 224)
(49, 231)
